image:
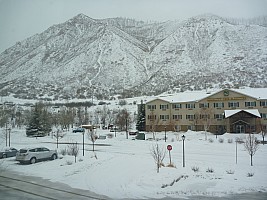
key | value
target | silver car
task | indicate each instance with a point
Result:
(32, 155)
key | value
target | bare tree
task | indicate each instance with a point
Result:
(154, 124)
(58, 135)
(123, 120)
(251, 145)
(206, 119)
(73, 149)
(92, 136)
(158, 154)
(263, 132)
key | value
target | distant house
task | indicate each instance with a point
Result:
(227, 110)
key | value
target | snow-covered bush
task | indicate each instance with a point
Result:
(230, 171)
(230, 140)
(68, 162)
(221, 140)
(195, 168)
(63, 151)
(250, 174)
(210, 170)
(211, 140)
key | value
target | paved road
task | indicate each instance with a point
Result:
(19, 187)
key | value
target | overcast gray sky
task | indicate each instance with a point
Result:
(20, 19)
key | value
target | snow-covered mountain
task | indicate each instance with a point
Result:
(84, 57)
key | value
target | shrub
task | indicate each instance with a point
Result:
(63, 152)
(195, 168)
(230, 171)
(250, 174)
(68, 162)
(210, 170)
(211, 140)
(122, 102)
(171, 165)
(221, 140)
(239, 140)
(230, 140)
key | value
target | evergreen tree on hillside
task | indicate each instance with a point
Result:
(141, 117)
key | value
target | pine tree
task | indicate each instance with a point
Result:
(39, 122)
(141, 117)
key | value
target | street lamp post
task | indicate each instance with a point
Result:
(236, 151)
(165, 133)
(83, 143)
(183, 138)
(126, 124)
(9, 137)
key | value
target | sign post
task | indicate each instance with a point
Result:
(169, 147)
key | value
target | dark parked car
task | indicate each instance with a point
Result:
(75, 130)
(8, 152)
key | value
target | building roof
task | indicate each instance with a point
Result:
(194, 96)
(229, 113)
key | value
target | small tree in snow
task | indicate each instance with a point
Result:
(58, 135)
(73, 149)
(263, 132)
(206, 119)
(158, 154)
(251, 145)
(92, 136)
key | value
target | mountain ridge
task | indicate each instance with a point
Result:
(86, 57)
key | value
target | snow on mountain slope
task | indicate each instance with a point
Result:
(85, 56)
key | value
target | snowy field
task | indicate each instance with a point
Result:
(124, 168)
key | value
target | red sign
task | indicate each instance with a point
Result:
(169, 147)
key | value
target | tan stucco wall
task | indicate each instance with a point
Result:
(184, 123)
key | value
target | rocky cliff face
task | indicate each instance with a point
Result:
(84, 57)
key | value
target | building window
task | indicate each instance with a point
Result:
(233, 104)
(190, 105)
(164, 117)
(190, 117)
(263, 103)
(218, 116)
(218, 105)
(206, 116)
(164, 106)
(250, 104)
(176, 117)
(264, 115)
(177, 105)
(151, 107)
(151, 117)
(203, 105)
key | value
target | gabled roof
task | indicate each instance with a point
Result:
(257, 93)
(229, 113)
(195, 96)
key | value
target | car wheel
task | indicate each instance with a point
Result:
(33, 160)
(4, 156)
(54, 157)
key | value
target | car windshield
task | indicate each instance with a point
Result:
(23, 150)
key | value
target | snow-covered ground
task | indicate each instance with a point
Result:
(124, 168)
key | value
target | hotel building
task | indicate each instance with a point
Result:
(227, 110)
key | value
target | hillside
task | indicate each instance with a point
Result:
(84, 57)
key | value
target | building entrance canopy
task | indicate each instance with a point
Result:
(229, 113)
